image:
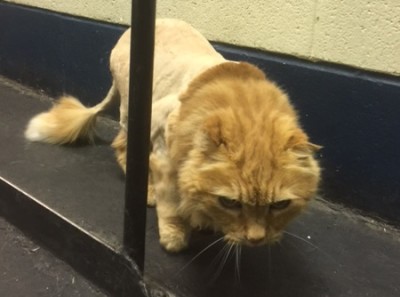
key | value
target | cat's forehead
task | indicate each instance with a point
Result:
(255, 195)
(260, 198)
(284, 184)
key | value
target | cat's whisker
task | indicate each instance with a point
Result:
(302, 239)
(269, 264)
(219, 255)
(238, 252)
(217, 259)
(199, 254)
(309, 243)
(292, 244)
(223, 262)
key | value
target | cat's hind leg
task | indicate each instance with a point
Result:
(120, 146)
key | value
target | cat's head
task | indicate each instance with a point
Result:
(245, 167)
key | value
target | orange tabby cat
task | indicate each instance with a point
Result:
(228, 152)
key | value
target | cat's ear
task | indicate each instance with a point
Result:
(299, 142)
(313, 147)
(212, 127)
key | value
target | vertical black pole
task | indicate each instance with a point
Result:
(140, 95)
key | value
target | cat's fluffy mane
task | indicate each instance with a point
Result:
(232, 114)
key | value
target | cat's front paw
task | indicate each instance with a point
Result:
(174, 240)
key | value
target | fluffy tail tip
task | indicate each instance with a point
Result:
(66, 122)
(34, 131)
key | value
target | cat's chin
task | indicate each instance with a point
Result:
(254, 244)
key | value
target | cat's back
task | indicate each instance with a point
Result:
(177, 37)
(175, 40)
(180, 54)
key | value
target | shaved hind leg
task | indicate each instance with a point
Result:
(119, 145)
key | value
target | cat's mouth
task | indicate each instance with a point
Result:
(270, 240)
(250, 243)
(255, 243)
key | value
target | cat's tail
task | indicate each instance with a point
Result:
(68, 120)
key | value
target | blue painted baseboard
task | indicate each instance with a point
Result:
(351, 112)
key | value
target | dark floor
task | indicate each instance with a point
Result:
(330, 251)
(28, 270)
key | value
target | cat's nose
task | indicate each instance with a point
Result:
(255, 234)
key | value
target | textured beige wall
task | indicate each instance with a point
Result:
(360, 33)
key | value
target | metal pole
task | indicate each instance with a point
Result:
(140, 97)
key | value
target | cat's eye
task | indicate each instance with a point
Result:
(280, 205)
(229, 203)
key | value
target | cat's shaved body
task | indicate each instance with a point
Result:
(228, 153)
